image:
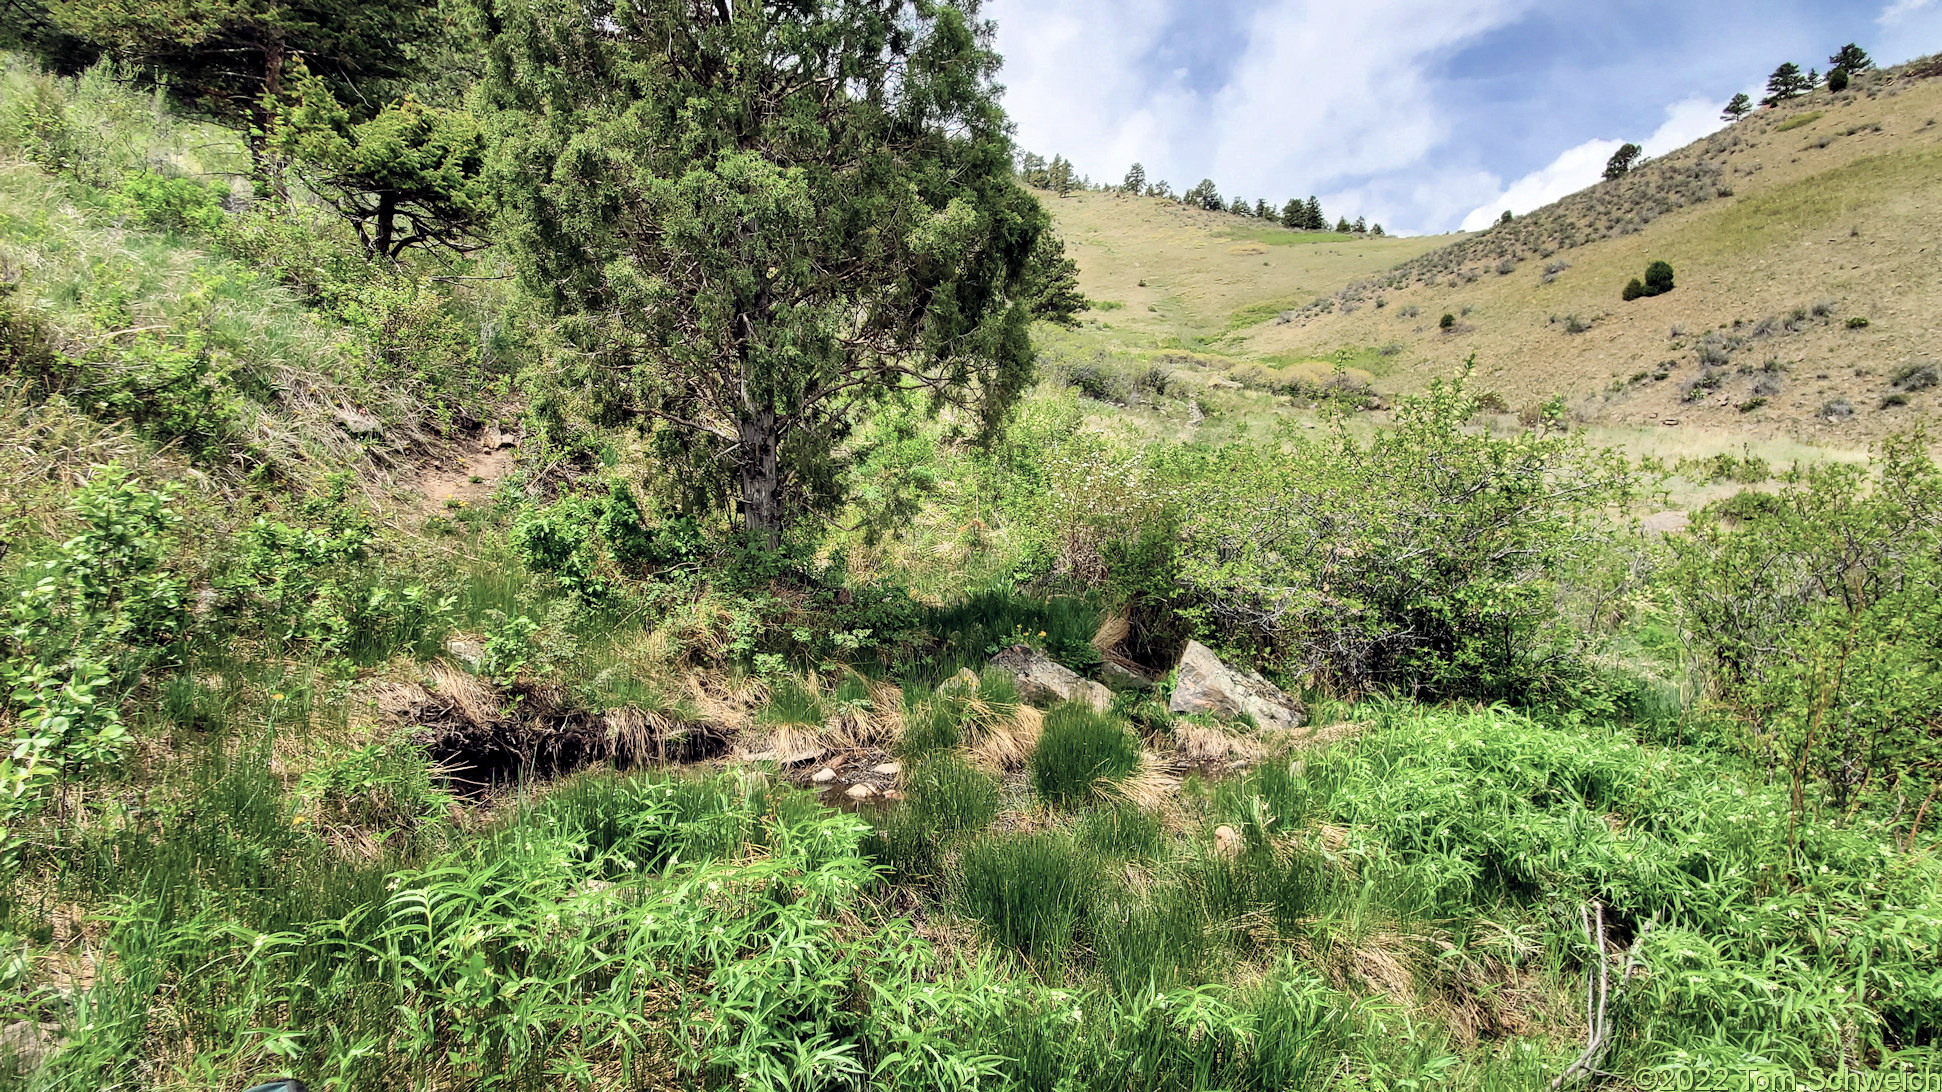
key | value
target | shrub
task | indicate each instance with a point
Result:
(1030, 891)
(1633, 290)
(1917, 376)
(1077, 750)
(1658, 278)
(1857, 323)
(1894, 400)
(1837, 408)
(1837, 80)
(1819, 618)
(177, 206)
(947, 796)
(1443, 581)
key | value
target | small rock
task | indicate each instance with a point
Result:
(860, 792)
(1041, 679)
(1124, 678)
(1227, 840)
(466, 651)
(1206, 685)
(30, 1043)
(1665, 523)
(823, 776)
(1670, 421)
(887, 769)
(357, 423)
(490, 438)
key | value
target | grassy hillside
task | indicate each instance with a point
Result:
(345, 742)
(1781, 228)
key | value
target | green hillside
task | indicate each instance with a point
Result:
(1786, 231)
(657, 614)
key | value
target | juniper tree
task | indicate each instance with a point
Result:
(1622, 161)
(410, 176)
(1786, 83)
(1851, 59)
(229, 60)
(755, 225)
(1204, 196)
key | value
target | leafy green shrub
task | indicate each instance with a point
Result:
(1857, 322)
(92, 615)
(948, 796)
(176, 206)
(1031, 892)
(1444, 582)
(1634, 289)
(1447, 322)
(1077, 750)
(1819, 619)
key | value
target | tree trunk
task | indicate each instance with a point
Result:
(387, 213)
(761, 475)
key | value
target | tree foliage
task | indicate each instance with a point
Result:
(1851, 59)
(229, 60)
(1135, 182)
(1622, 161)
(1738, 107)
(1204, 195)
(755, 226)
(1787, 82)
(412, 165)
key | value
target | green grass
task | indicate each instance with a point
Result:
(1799, 121)
(1078, 751)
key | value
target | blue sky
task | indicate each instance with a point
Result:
(1422, 115)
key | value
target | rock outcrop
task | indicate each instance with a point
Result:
(1204, 684)
(1042, 679)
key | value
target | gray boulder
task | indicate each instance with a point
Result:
(1043, 679)
(1206, 685)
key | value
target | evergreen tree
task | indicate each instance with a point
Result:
(1376, 230)
(1262, 211)
(1507, 217)
(1059, 176)
(1622, 161)
(1741, 106)
(1361, 226)
(1135, 183)
(231, 60)
(1241, 207)
(1837, 80)
(1785, 83)
(1851, 59)
(411, 164)
(1294, 215)
(1343, 227)
(755, 225)
(1204, 196)
(1316, 221)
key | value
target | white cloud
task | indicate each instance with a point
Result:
(1902, 9)
(1580, 166)
(1322, 93)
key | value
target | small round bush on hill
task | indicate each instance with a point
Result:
(1077, 750)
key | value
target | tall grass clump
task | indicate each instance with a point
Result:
(948, 796)
(1077, 751)
(1031, 892)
